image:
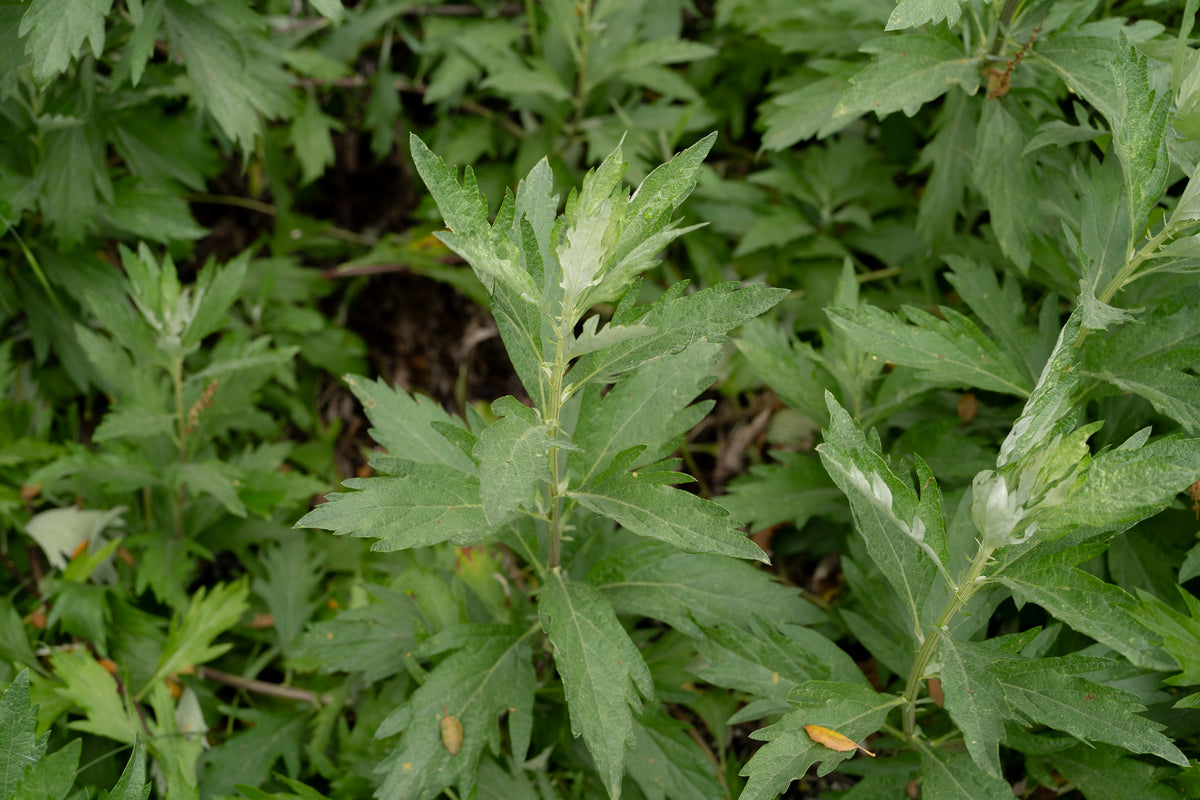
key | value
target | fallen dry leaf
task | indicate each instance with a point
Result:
(834, 740)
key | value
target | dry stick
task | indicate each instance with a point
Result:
(262, 687)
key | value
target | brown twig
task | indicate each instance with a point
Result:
(263, 687)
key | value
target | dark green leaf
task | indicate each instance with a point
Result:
(20, 748)
(57, 28)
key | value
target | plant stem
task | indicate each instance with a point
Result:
(966, 590)
(180, 438)
(584, 8)
(554, 496)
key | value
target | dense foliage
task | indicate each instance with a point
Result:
(964, 441)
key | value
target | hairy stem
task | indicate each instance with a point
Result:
(967, 588)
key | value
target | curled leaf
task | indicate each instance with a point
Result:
(452, 732)
(834, 740)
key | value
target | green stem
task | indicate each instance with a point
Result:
(554, 496)
(1007, 11)
(180, 438)
(584, 8)
(967, 588)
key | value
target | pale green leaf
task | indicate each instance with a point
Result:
(514, 458)
(401, 424)
(191, 635)
(911, 13)
(57, 28)
(952, 352)
(686, 590)
(590, 339)
(1173, 393)
(415, 506)
(602, 671)
(1179, 633)
(151, 213)
(20, 747)
(516, 78)
(853, 710)
(667, 50)
(641, 504)
(1050, 401)
(89, 688)
(954, 776)
(330, 9)
(907, 72)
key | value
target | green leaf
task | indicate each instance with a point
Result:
(91, 690)
(75, 180)
(417, 505)
(20, 747)
(14, 642)
(218, 58)
(853, 710)
(794, 490)
(311, 136)
(514, 458)
(911, 13)
(373, 639)
(132, 784)
(1045, 692)
(488, 675)
(686, 590)
(1139, 130)
(190, 637)
(1173, 393)
(802, 113)
(490, 252)
(1000, 307)
(678, 321)
(649, 406)
(1007, 181)
(401, 424)
(1084, 63)
(641, 504)
(292, 576)
(1089, 605)
(56, 29)
(247, 757)
(974, 699)
(907, 72)
(667, 763)
(1101, 772)
(217, 479)
(953, 352)
(948, 155)
(1050, 401)
(904, 536)
(1179, 633)
(953, 776)
(768, 663)
(53, 776)
(602, 671)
